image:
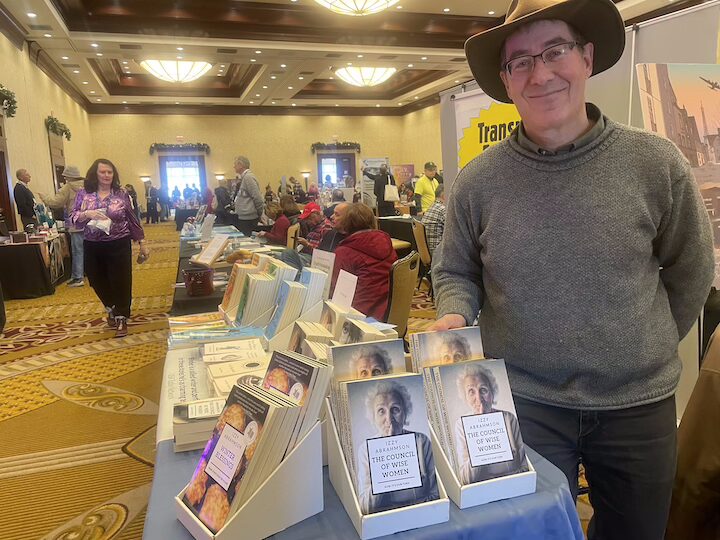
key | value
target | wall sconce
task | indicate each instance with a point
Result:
(219, 177)
(145, 178)
(306, 175)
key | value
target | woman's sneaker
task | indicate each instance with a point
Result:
(76, 283)
(121, 330)
(110, 319)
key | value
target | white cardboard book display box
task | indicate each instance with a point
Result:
(380, 523)
(467, 496)
(277, 504)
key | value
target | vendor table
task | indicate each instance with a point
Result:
(548, 514)
(399, 228)
(32, 269)
(181, 215)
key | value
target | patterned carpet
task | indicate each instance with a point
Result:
(80, 407)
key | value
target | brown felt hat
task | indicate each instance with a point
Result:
(598, 21)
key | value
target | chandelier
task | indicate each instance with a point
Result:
(357, 8)
(180, 71)
(365, 76)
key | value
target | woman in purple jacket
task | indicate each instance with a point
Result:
(105, 213)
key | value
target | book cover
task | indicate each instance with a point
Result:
(390, 436)
(290, 376)
(226, 458)
(450, 346)
(366, 360)
(357, 331)
(479, 414)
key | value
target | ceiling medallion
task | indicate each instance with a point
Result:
(180, 71)
(365, 76)
(357, 8)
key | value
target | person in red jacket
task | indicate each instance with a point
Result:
(367, 253)
(287, 216)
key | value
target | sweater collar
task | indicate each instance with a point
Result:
(594, 115)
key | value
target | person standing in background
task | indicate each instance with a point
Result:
(425, 188)
(133, 198)
(164, 200)
(249, 203)
(105, 213)
(152, 202)
(434, 220)
(24, 199)
(66, 198)
(382, 179)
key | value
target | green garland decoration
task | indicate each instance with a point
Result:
(194, 147)
(8, 101)
(53, 125)
(335, 146)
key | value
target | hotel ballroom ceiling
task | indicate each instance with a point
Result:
(267, 56)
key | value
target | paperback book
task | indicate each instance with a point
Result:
(386, 442)
(194, 421)
(316, 281)
(290, 302)
(334, 316)
(357, 331)
(474, 417)
(309, 331)
(447, 347)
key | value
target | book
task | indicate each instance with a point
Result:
(291, 297)
(280, 271)
(387, 442)
(334, 316)
(236, 346)
(194, 421)
(316, 281)
(323, 261)
(258, 297)
(309, 331)
(434, 348)
(212, 251)
(235, 287)
(241, 452)
(356, 331)
(222, 385)
(313, 349)
(213, 317)
(476, 412)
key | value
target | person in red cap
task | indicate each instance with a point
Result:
(313, 226)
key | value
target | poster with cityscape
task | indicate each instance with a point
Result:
(682, 102)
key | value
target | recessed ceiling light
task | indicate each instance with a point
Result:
(125, 62)
(92, 91)
(410, 65)
(31, 14)
(457, 82)
(180, 48)
(76, 71)
(399, 7)
(417, 97)
(273, 77)
(491, 13)
(332, 77)
(446, 10)
(290, 87)
(301, 78)
(85, 82)
(98, 54)
(253, 60)
(179, 57)
(252, 103)
(258, 52)
(293, 1)
(124, 102)
(359, 55)
(293, 105)
(423, 58)
(257, 95)
(47, 35)
(264, 86)
(283, 65)
(272, 103)
(98, 99)
(337, 105)
(66, 58)
(222, 65)
(377, 104)
(219, 74)
(94, 45)
(349, 63)
(177, 103)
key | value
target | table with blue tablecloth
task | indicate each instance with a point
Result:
(548, 514)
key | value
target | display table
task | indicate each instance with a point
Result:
(548, 514)
(399, 228)
(33, 269)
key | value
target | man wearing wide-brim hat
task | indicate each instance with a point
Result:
(587, 249)
(65, 198)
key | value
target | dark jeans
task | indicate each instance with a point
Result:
(152, 213)
(108, 266)
(629, 457)
(245, 226)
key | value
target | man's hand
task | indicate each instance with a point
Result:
(448, 322)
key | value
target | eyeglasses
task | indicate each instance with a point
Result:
(523, 65)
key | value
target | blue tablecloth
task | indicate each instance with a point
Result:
(548, 514)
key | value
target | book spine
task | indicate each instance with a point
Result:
(414, 351)
(449, 448)
(429, 391)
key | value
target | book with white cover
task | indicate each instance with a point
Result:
(333, 317)
(446, 347)
(235, 287)
(316, 281)
(224, 385)
(388, 442)
(241, 367)
(234, 346)
(258, 297)
(291, 297)
(477, 411)
(280, 271)
(357, 331)
(304, 330)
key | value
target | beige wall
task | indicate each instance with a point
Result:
(38, 97)
(276, 145)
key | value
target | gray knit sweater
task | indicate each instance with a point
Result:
(588, 266)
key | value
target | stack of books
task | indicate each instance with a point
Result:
(385, 438)
(235, 287)
(303, 381)
(257, 298)
(226, 375)
(291, 298)
(196, 335)
(450, 346)
(233, 351)
(193, 422)
(473, 415)
(248, 442)
(280, 271)
(357, 331)
(313, 349)
(309, 331)
(315, 281)
(333, 317)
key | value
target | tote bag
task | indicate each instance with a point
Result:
(391, 192)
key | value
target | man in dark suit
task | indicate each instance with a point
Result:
(24, 198)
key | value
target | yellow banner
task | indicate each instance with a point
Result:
(489, 128)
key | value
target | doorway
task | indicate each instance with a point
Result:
(338, 166)
(181, 171)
